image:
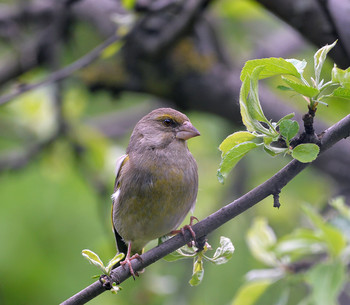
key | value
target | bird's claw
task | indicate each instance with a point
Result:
(189, 228)
(127, 261)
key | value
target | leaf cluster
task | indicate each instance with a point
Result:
(221, 256)
(276, 137)
(289, 258)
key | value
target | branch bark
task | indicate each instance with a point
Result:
(310, 19)
(271, 186)
(62, 73)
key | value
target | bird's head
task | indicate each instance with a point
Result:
(161, 127)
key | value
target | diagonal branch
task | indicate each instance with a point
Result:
(330, 137)
(64, 72)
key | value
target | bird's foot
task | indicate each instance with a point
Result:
(127, 261)
(187, 227)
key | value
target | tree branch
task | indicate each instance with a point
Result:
(331, 136)
(186, 13)
(64, 72)
(309, 19)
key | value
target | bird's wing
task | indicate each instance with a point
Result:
(122, 247)
(120, 162)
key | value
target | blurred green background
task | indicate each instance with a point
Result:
(59, 203)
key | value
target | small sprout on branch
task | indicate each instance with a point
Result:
(221, 256)
(94, 259)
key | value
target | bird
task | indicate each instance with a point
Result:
(156, 182)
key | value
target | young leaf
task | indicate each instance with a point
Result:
(198, 271)
(224, 252)
(235, 139)
(273, 151)
(286, 117)
(319, 59)
(341, 76)
(299, 243)
(300, 65)
(306, 153)
(301, 88)
(332, 237)
(116, 259)
(179, 254)
(339, 204)
(115, 288)
(250, 292)
(94, 259)
(289, 129)
(260, 239)
(183, 252)
(128, 4)
(343, 93)
(251, 111)
(272, 274)
(326, 280)
(284, 88)
(112, 49)
(272, 66)
(232, 157)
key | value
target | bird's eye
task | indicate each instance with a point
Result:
(168, 122)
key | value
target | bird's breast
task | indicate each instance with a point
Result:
(160, 197)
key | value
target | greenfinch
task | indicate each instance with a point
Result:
(156, 181)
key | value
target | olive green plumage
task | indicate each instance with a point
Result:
(157, 181)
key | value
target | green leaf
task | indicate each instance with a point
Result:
(286, 117)
(272, 66)
(341, 76)
(343, 93)
(331, 236)
(115, 288)
(300, 65)
(274, 151)
(326, 280)
(112, 49)
(289, 129)
(198, 272)
(261, 238)
(306, 153)
(284, 88)
(299, 243)
(235, 139)
(232, 157)
(224, 252)
(178, 254)
(116, 259)
(94, 259)
(301, 88)
(251, 111)
(339, 204)
(183, 252)
(272, 274)
(319, 59)
(128, 4)
(250, 292)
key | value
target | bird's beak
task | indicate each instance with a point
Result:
(187, 131)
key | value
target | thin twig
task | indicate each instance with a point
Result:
(64, 72)
(153, 45)
(331, 136)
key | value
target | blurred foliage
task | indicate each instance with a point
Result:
(317, 256)
(58, 204)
